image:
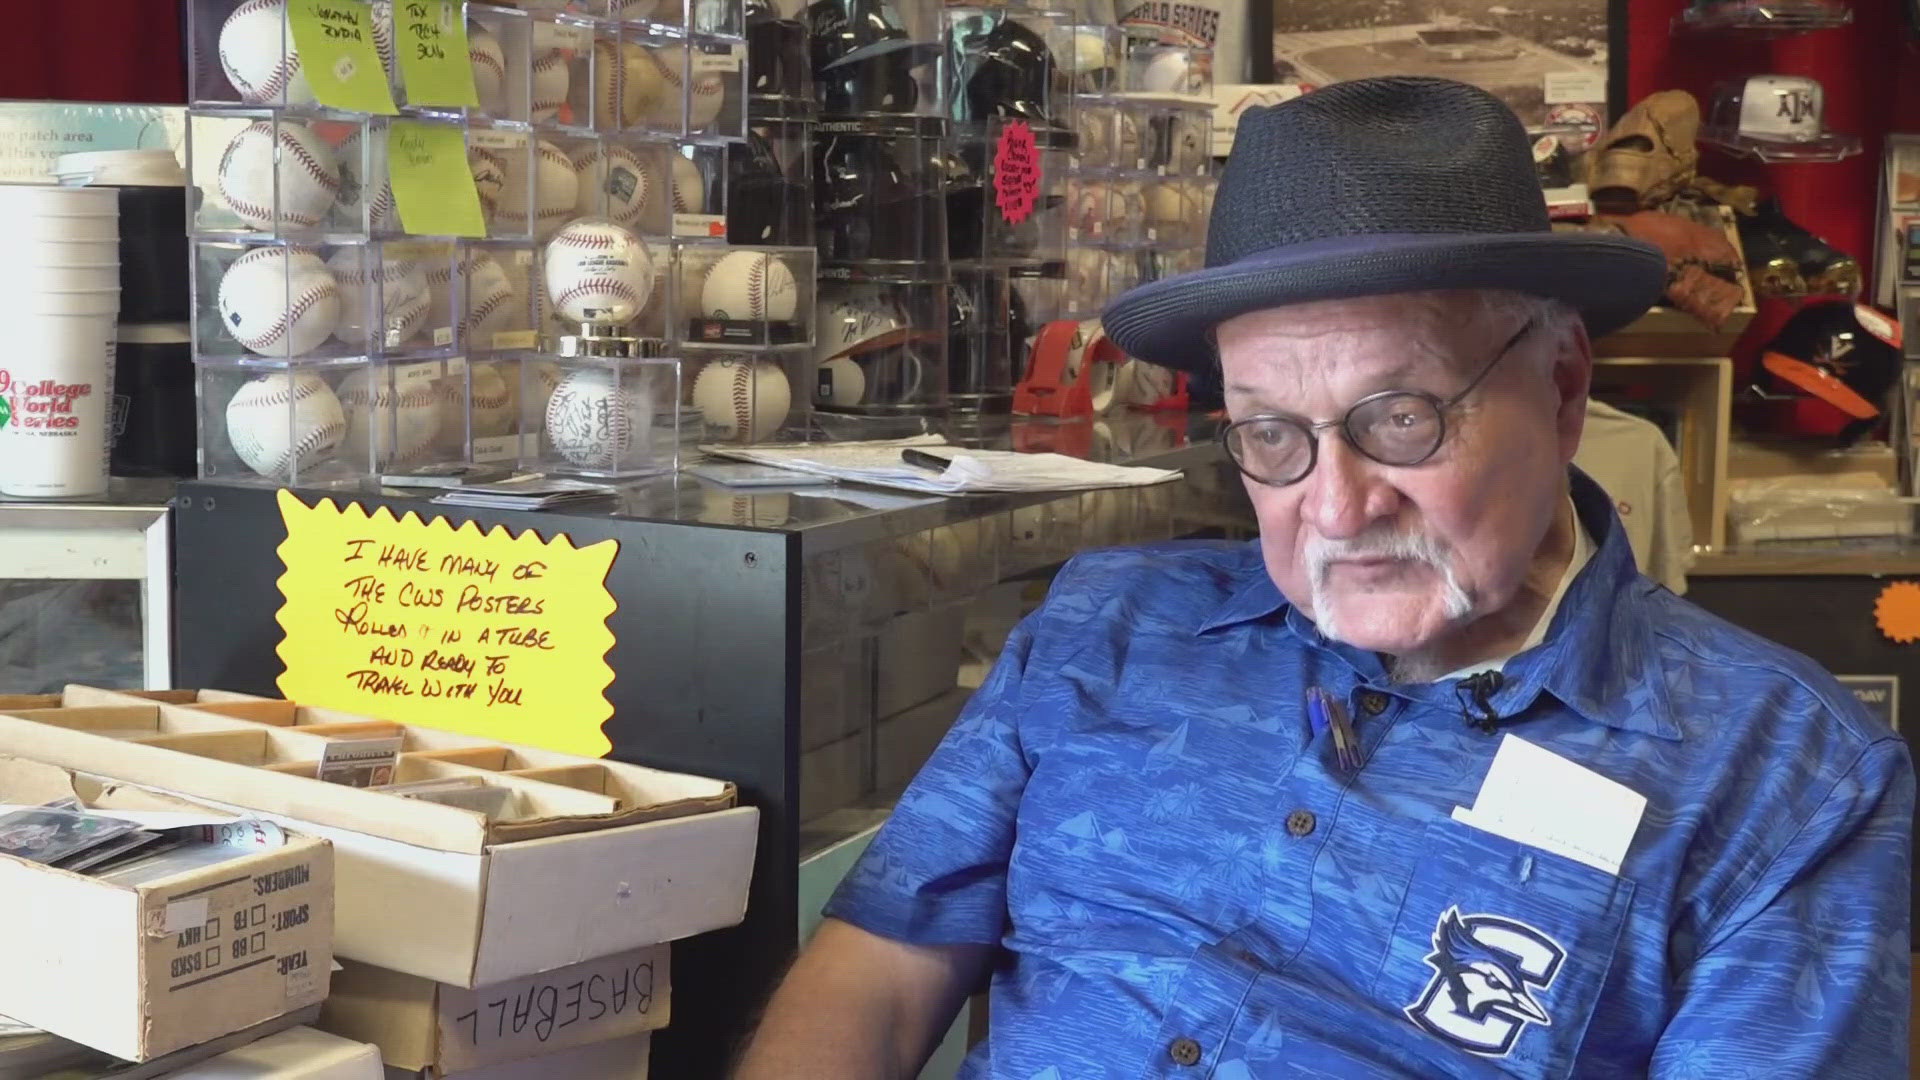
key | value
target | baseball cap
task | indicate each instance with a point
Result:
(1771, 108)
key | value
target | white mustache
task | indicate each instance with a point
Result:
(1321, 553)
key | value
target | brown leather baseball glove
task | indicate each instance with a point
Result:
(1703, 269)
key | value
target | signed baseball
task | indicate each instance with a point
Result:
(749, 286)
(365, 188)
(489, 179)
(285, 423)
(598, 273)
(742, 400)
(278, 301)
(276, 175)
(553, 184)
(256, 52)
(662, 74)
(595, 423)
(403, 302)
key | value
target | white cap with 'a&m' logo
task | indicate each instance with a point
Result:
(1776, 108)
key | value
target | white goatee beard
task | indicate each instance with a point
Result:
(1322, 553)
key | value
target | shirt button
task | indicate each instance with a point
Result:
(1300, 822)
(1184, 1052)
(1373, 702)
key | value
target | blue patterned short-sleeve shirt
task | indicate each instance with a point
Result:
(1182, 882)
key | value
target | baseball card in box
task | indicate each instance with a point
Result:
(736, 297)
(597, 417)
(420, 1024)
(277, 421)
(160, 955)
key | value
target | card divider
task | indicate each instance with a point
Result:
(487, 758)
(536, 798)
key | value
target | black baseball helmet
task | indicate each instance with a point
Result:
(778, 62)
(863, 58)
(1005, 70)
(868, 206)
(764, 205)
(1840, 353)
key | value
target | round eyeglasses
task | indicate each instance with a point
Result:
(1393, 427)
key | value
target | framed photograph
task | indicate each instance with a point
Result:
(1553, 61)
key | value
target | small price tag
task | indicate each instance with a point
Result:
(443, 336)
(335, 42)
(432, 187)
(699, 225)
(516, 339)
(432, 40)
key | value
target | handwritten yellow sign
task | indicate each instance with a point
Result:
(417, 622)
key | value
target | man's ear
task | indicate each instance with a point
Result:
(1572, 379)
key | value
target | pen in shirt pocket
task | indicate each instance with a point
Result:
(1324, 713)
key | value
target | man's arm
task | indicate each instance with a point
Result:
(1808, 976)
(857, 1006)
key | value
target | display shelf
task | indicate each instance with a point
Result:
(1764, 18)
(1828, 148)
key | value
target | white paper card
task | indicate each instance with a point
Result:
(1534, 796)
(1575, 87)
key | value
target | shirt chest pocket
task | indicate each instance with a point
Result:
(1500, 952)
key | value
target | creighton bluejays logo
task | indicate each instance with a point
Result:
(1485, 972)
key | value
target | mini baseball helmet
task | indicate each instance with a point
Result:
(764, 205)
(863, 58)
(778, 61)
(1003, 67)
(850, 320)
(1841, 355)
(1771, 108)
(867, 206)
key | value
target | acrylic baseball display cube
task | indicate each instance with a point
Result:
(880, 208)
(980, 340)
(244, 52)
(500, 51)
(999, 63)
(277, 422)
(612, 418)
(1175, 209)
(601, 278)
(880, 352)
(1006, 194)
(1155, 68)
(745, 397)
(282, 301)
(701, 191)
(628, 180)
(527, 182)
(259, 174)
(739, 296)
(405, 416)
(493, 413)
(499, 295)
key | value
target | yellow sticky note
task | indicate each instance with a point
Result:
(431, 38)
(432, 185)
(338, 54)
(490, 634)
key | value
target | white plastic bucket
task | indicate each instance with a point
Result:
(59, 279)
(20, 304)
(67, 253)
(56, 387)
(28, 230)
(20, 200)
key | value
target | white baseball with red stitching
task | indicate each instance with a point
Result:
(742, 400)
(278, 176)
(493, 400)
(598, 273)
(749, 286)
(403, 300)
(489, 65)
(489, 178)
(360, 169)
(392, 420)
(614, 183)
(703, 102)
(596, 424)
(550, 83)
(554, 186)
(256, 52)
(283, 424)
(278, 301)
(689, 187)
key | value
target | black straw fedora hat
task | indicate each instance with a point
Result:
(1380, 186)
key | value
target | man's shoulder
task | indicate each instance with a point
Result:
(1720, 674)
(1172, 585)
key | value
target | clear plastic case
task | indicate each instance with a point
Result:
(277, 421)
(769, 181)
(748, 396)
(741, 296)
(613, 417)
(880, 207)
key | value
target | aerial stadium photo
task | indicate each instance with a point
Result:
(1508, 49)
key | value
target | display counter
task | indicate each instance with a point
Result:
(801, 642)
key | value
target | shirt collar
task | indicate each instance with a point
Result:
(1598, 657)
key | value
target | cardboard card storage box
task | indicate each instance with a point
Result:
(591, 858)
(615, 1059)
(139, 971)
(424, 1026)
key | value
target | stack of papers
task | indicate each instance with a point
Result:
(967, 471)
(533, 492)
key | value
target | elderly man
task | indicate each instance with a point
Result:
(1428, 782)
